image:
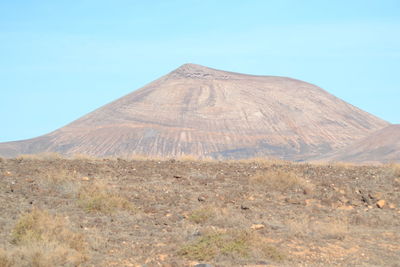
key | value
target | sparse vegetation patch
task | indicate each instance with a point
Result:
(97, 197)
(239, 244)
(224, 213)
(279, 180)
(40, 239)
(201, 215)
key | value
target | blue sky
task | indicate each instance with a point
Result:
(62, 59)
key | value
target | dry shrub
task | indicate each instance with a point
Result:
(280, 180)
(393, 173)
(59, 176)
(39, 225)
(42, 255)
(332, 230)
(97, 197)
(60, 181)
(304, 227)
(237, 244)
(229, 217)
(42, 240)
(202, 215)
(220, 217)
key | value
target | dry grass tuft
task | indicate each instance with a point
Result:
(59, 181)
(305, 227)
(393, 172)
(332, 230)
(280, 180)
(237, 244)
(97, 197)
(41, 255)
(212, 244)
(272, 253)
(39, 225)
(201, 215)
(42, 240)
(59, 176)
(41, 156)
(396, 169)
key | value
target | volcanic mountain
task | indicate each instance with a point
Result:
(381, 146)
(195, 110)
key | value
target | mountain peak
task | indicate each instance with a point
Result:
(195, 71)
(196, 110)
(190, 67)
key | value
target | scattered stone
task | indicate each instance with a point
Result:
(262, 263)
(162, 257)
(392, 206)
(243, 207)
(377, 195)
(345, 207)
(201, 199)
(293, 201)
(257, 226)
(203, 265)
(366, 200)
(311, 201)
(85, 178)
(177, 176)
(344, 200)
(307, 191)
(380, 203)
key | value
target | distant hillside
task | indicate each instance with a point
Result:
(381, 146)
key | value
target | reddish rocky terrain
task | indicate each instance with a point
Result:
(116, 212)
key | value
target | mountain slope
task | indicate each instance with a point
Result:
(206, 112)
(381, 146)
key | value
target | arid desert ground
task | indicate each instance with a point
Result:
(148, 212)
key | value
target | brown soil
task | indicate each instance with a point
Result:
(179, 213)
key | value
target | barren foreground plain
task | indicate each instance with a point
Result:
(147, 212)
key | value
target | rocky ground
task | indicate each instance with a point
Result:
(116, 212)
